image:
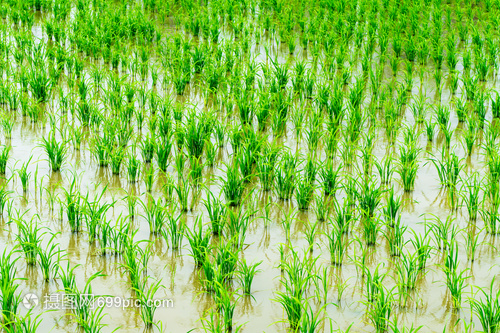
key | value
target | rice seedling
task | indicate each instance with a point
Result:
(4, 157)
(56, 151)
(29, 237)
(199, 243)
(246, 274)
(145, 296)
(49, 258)
(24, 175)
(487, 309)
(233, 186)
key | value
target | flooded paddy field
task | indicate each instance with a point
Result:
(251, 166)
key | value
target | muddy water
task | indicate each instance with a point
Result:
(430, 305)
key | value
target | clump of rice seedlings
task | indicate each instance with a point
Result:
(29, 237)
(443, 232)
(216, 211)
(338, 242)
(284, 177)
(455, 279)
(487, 309)
(266, 164)
(408, 164)
(148, 177)
(4, 157)
(56, 151)
(49, 258)
(321, 207)
(246, 274)
(470, 135)
(117, 156)
(155, 215)
(470, 195)
(145, 295)
(10, 300)
(73, 207)
(225, 304)
(199, 242)
(421, 245)
(408, 272)
(379, 313)
(24, 175)
(448, 168)
(175, 230)
(133, 164)
(329, 177)
(182, 191)
(233, 186)
(4, 198)
(304, 192)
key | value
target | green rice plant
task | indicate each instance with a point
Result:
(24, 175)
(491, 219)
(117, 156)
(25, 324)
(233, 186)
(471, 241)
(246, 274)
(392, 208)
(470, 195)
(227, 259)
(266, 164)
(329, 177)
(338, 243)
(216, 211)
(145, 296)
(385, 169)
(495, 105)
(40, 83)
(56, 151)
(421, 245)
(380, 312)
(198, 130)
(487, 309)
(448, 168)
(74, 207)
(155, 215)
(470, 135)
(395, 236)
(442, 115)
(226, 305)
(455, 280)
(133, 165)
(407, 271)
(442, 231)
(148, 146)
(461, 108)
(284, 176)
(49, 258)
(29, 237)
(182, 191)
(4, 157)
(148, 177)
(68, 278)
(4, 198)
(199, 242)
(321, 207)
(10, 300)
(304, 190)
(175, 230)
(237, 223)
